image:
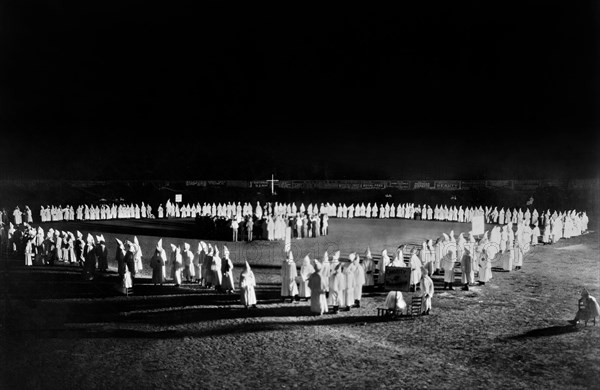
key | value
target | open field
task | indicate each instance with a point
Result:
(511, 333)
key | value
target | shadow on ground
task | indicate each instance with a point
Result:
(546, 332)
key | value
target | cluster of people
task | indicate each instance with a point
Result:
(334, 285)
(85, 212)
(269, 214)
(48, 248)
(205, 267)
(267, 227)
(326, 283)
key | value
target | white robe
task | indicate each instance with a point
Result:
(415, 269)
(447, 264)
(336, 288)
(319, 285)
(289, 288)
(427, 290)
(369, 268)
(228, 283)
(247, 284)
(176, 266)
(395, 301)
(383, 263)
(485, 269)
(305, 271)
(359, 281)
(348, 293)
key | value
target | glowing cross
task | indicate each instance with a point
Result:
(272, 184)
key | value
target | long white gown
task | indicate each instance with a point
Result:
(319, 285)
(247, 284)
(289, 288)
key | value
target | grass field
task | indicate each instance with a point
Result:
(62, 332)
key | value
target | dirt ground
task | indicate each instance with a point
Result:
(62, 332)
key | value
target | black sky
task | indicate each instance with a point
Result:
(238, 91)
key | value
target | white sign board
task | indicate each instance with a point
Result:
(177, 198)
(477, 225)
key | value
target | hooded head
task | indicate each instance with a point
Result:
(318, 265)
(135, 241)
(159, 244)
(352, 256)
(306, 260)
(336, 255)
(90, 239)
(325, 257)
(225, 251)
(290, 256)
(173, 247)
(119, 243)
(368, 255)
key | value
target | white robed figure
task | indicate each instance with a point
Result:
(369, 268)
(507, 263)
(336, 286)
(518, 253)
(447, 264)
(227, 269)
(305, 270)
(176, 264)
(188, 263)
(215, 267)
(503, 238)
(289, 272)
(589, 308)
(485, 268)
(29, 252)
(427, 290)
(137, 255)
(348, 293)
(318, 285)
(535, 234)
(398, 260)
(415, 269)
(440, 251)
(383, 263)
(157, 263)
(466, 267)
(460, 245)
(247, 285)
(325, 265)
(199, 261)
(426, 257)
(359, 280)
(394, 301)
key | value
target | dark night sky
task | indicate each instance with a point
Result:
(130, 89)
